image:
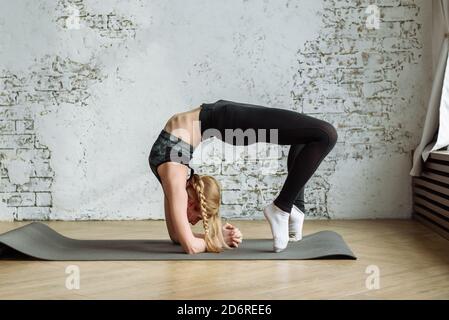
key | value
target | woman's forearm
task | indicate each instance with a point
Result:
(170, 229)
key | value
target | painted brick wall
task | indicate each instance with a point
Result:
(86, 86)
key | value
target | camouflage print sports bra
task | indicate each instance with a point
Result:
(168, 147)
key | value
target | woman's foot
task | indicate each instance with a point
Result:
(278, 220)
(295, 224)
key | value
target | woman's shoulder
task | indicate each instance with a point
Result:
(173, 173)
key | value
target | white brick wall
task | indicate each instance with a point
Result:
(80, 108)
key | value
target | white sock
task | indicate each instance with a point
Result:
(295, 224)
(278, 220)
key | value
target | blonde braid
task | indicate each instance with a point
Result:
(199, 187)
(206, 191)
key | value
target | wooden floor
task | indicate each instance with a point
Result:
(413, 262)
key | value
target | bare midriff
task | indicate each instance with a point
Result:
(186, 126)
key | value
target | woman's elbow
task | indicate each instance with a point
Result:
(190, 247)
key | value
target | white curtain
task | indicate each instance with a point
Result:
(435, 134)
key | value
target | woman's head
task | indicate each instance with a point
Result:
(204, 197)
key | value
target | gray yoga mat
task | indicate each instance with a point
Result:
(37, 240)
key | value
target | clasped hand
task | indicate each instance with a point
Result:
(232, 235)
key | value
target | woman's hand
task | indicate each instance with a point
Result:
(231, 235)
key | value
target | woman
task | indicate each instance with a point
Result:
(188, 200)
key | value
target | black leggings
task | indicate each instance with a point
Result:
(311, 139)
(299, 201)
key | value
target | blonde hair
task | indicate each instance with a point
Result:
(207, 192)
